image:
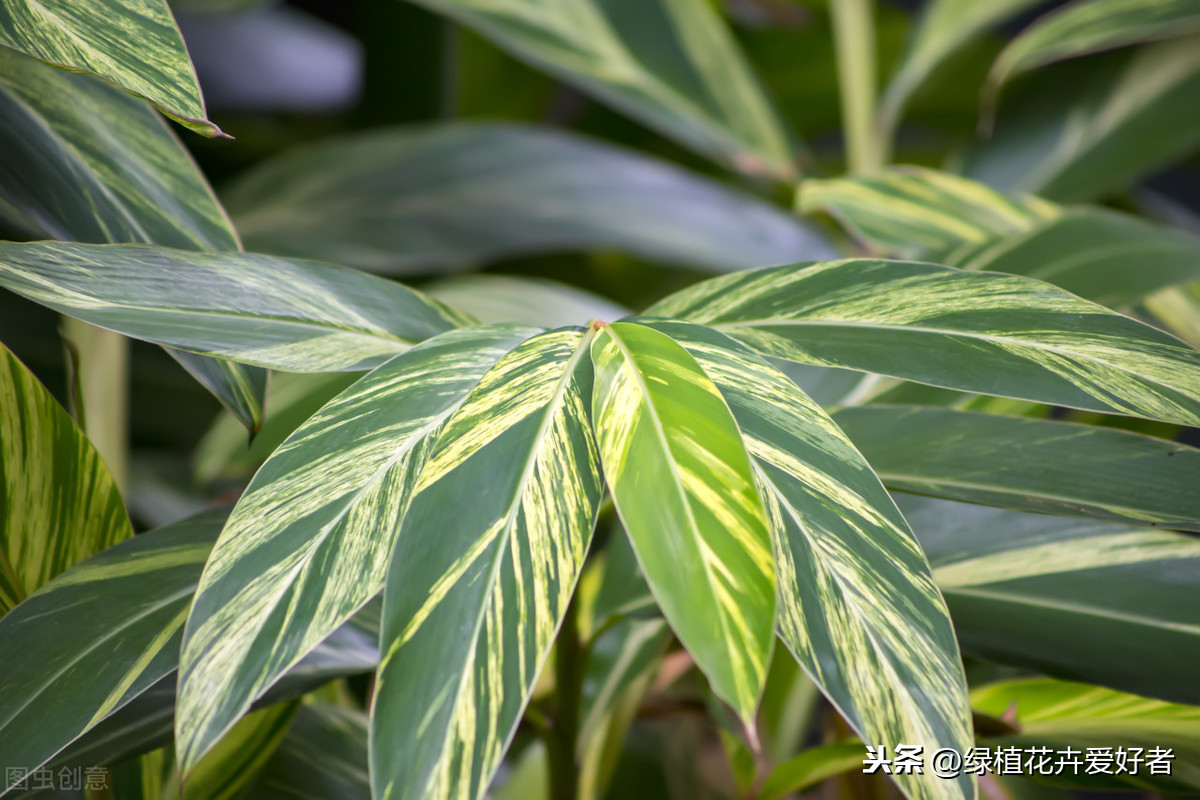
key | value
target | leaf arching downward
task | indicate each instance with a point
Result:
(484, 567)
(684, 489)
(308, 543)
(858, 606)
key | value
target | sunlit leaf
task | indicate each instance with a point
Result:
(476, 590)
(528, 301)
(1058, 715)
(671, 64)
(857, 603)
(975, 331)
(448, 196)
(301, 316)
(912, 211)
(683, 485)
(315, 527)
(58, 504)
(1078, 599)
(133, 44)
(1032, 464)
(810, 768)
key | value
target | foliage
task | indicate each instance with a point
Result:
(908, 465)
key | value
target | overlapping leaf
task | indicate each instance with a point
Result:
(291, 315)
(1110, 258)
(315, 527)
(447, 196)
(1058, 715)
(58, 503)
(83, 161)
(476, 590)
(912, 211)
(1090, 26)
(683, 485)
(1096, 128)
(975, 331)
(944, 28)
(64, 672)
(857, 603)
(529, 301)
(131, 43)
(324, 755)
(670, 63)
(1078, 599)
(1032, 464)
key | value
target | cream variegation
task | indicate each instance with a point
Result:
(300, 316)
(307, 545)
(976, 331)
(857, 602)
(485, 565)
(131, 43)
(58, 503)
(683, 486)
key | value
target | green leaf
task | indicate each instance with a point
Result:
(913, 211)
(438, 197)
(133, 44)
(230, 768)
(292, 315)
(315, 527)
(857, 603)
(324, 755)
(1076, 599)
(1096, 128)
(810, 768)
(1032, 464)
(524, 300)
(684, 488)
(65, 671)
(84, 161)
(1109, 258)
(944, 28)
(58, 504)
(671, 64)
(975, 331)
(1055, 714)
(476, 591)
(1178, 310)
(1090, 26)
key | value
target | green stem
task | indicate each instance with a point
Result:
(854, 38)
(103, 390)
(562, 737)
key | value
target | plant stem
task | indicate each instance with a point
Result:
(562, 738)
(854, 38)
(103, 377)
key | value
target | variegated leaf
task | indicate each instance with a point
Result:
(671, 64)
(1090, 26)
(485, 564)
(83, 161)
(524, 300)
(1093, 129)
(975, 331)
(684, 488)
(1033, 464)
(314, 529)
(231, 768)
(324, 755)
(301, 316)
(1103, 256)
(446, 197)
(58, 504)
(65, 671)
(913, 211)
(1057, 715)
(1077, 599)
(943, 29)
(131, 43)
(857, 603)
